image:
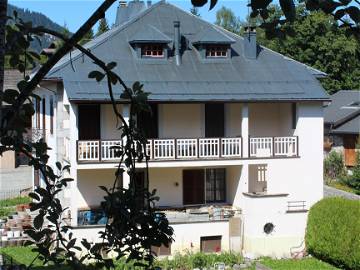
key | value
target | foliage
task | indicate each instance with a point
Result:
(343, 11)
(333, 232)
(297, 264)
(87, 37)
(226, 18)
(334, 165)
(341, 185)
(353, 180)
(132, 228)
(319, 42)
(37, 19)
(103, 26)
(15, 201)
(6, 211)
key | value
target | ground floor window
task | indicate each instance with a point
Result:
(209, 244)
(204, 186)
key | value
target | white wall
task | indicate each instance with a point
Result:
(181, 121)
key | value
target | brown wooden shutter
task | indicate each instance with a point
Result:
(349, 152)
(193, 187)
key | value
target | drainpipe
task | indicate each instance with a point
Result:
(177, 41)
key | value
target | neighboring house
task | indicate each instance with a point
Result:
(235, 136)
(15, 175)
(342, 124)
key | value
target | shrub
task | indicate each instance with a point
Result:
(334, 165)
(15, 201)
(333, 232)
(353, 180)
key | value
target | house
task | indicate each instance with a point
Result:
(342, 124)
(16, 176)
(235, 138)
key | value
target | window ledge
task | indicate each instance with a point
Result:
(297, 211)
(264, 195)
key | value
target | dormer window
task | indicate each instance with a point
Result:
(152, 50)
(216, 51)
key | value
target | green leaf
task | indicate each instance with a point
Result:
(34, 196)
(38, 221)
(95, 74)
(58, 165)
(111, 65)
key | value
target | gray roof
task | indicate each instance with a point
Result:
(212, 36)
(341, 115)
(149, 33)
(270, 77)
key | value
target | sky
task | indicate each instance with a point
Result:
(73, 13)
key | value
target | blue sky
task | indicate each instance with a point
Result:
(75, 12)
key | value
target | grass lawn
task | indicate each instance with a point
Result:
(301, 264)
(8, 206)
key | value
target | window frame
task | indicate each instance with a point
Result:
(213, 238)
(221, 49)
(151, 47)
(222, 189)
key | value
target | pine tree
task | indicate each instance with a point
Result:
(87, 37)
(103, 27)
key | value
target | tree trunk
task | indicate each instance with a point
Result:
(3, 19)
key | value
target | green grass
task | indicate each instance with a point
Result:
(14, 201)
(300, 264)
(342, 186)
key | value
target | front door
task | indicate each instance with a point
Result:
(214, 120)
(193, 187)
(89, 122)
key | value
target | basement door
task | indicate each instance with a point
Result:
(193, 187)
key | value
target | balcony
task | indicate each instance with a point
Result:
(193, 149)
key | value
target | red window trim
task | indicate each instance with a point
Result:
(152, 51)
(216, 51)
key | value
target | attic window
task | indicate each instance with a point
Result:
(216, 51)
(152, 51)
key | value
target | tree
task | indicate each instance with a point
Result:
(131, 228)
(195, 11)
(346, 12)
(226, 18)
(103, 27)
(87, 37)
(318, 41)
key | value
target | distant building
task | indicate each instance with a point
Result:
(342, 124)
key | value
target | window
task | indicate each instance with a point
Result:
(37, 112)
(257, 178)
(209, 244)
(51, 115)
(216, 51)
(152, 50)
(204, 186)
(215, 185)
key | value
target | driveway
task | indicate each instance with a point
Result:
(333, 192)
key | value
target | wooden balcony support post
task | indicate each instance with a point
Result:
(245, 129)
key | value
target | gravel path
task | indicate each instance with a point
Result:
(333, 192)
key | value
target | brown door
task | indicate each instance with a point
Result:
(193, 187)
(349, 146)
(89, 122)
(214, 120)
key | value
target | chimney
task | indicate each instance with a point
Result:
(126, 11)
(177, 42)
(250, 45)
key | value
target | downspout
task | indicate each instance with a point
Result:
(177, 41)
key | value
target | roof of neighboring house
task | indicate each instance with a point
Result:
(343, 114)
(270, 77)
(12, 77)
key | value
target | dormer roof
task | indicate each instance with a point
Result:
(212, 35)
(149, 34)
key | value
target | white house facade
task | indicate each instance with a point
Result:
(235, 138)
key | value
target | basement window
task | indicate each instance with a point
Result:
(210, 244)
(216, 51)
(152, 51)
(162, 250)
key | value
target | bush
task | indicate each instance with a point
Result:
(334, 165)
(333, 232)
(353, 180)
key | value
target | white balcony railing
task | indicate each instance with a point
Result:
(192, 149)
(273, 146)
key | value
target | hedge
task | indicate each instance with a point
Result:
(333, 232)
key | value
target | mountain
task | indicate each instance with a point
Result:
(37, 19)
